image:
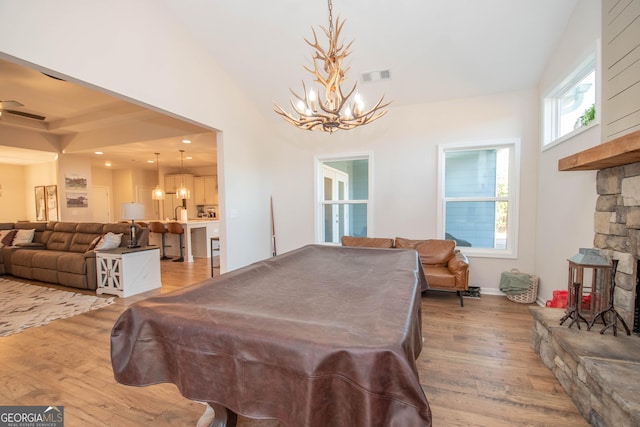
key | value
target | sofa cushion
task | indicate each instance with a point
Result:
(82, 241)
(47, 260)
(59, 241)
(367, 242)
(23, 257)
(72, 263)
(67, 227)
(439, 276)
(431, 251)
(436, 252)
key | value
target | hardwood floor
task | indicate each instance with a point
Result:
(476, 368)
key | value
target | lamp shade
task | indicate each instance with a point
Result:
(132, 211)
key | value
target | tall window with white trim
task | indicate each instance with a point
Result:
(478, 197)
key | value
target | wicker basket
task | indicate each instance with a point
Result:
(530, 295)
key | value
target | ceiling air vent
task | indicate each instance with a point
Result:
(374, 76)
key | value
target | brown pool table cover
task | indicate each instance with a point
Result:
(319, 336)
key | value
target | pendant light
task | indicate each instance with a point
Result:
(182, 192)
(158, 192)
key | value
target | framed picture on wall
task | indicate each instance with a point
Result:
(52, 202)
(77, 199)
(41, 209)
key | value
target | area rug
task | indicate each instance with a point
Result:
(24, 306)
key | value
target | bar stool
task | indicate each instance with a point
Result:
(176, 228)
(214, 244)
(158, 227)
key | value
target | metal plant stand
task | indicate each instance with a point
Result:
(574, 311)
(611, 311)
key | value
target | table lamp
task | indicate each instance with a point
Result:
(132, 211)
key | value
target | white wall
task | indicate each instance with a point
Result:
(13, 195)
(152, 60)
(17, 189)
(403, 146)
(566, 200)
(38, 175)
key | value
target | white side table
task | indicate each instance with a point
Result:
(128, 271)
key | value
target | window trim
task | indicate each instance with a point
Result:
(511, 251)
(577, 72)
(319, 160)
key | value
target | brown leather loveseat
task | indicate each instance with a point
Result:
(445, 267)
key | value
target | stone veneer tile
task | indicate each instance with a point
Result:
(630, 190)
(608, 180)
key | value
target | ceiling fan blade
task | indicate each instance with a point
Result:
(10, 104)
(24, 114)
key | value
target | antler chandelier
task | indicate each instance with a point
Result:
(336, 110)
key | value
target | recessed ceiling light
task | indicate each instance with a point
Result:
(150, 161)
(188, 158)
(99, 152)
(186, 141)
(108, 164)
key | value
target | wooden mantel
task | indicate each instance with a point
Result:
(617, 152)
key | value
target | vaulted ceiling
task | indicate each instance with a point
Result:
(434, 50)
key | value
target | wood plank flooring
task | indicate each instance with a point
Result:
(476, 368)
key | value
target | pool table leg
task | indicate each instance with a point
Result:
(216, 415)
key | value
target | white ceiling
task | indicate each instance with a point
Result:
(434, 49)
(131, 134)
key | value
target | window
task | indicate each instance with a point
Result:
(571, 106)
(343, 198)
(478, 201)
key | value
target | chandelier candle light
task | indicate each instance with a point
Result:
(336, 110)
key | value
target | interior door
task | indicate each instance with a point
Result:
(101, 204)
(336, 215)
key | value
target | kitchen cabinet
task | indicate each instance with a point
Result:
(205, 190)
(171, 183)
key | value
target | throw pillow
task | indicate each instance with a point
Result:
(6, 237)
(109, 241)
(94, 243)
(23, 236)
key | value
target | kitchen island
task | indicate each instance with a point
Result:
(197, 234)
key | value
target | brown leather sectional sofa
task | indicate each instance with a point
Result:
(445, 267)
(60, 251)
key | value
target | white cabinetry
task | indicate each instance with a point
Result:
(171, 183)
(206, 190)
(128, 271)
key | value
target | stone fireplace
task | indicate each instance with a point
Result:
(617, 231)
(600, 371)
